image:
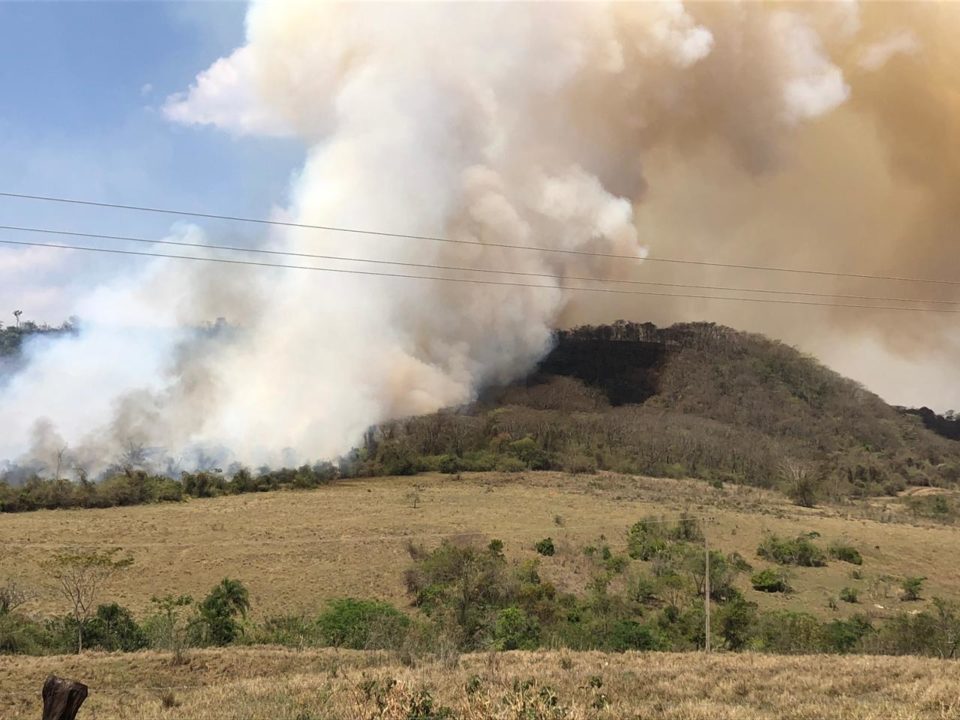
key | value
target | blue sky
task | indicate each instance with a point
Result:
(81, 90)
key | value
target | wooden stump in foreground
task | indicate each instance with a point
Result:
(62, 698)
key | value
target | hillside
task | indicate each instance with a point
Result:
(692, 400)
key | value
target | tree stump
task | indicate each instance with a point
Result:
(62, 698)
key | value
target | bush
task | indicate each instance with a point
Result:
(799, 551)
(515, 630)
(510, 464)
(850, 595)
(786, 632)
(114, 629)
(362, 624)
(20, 635)
(449, 464)
(545, 547)
(911, 587)
(626, 635)
(844, 636)
(217, 622)
(770, 580)
(845, 553)
(579, 464)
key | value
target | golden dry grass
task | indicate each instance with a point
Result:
(296, 549)
(254, 683)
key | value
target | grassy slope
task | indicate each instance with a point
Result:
(290, 685)
(296, 549)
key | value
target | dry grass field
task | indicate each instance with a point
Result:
(296, 549)
(255, 683)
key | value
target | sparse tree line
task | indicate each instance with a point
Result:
(466, 596)
(12, 336)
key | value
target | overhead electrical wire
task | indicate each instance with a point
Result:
(461, 268)
(473, 281)
(431, 238)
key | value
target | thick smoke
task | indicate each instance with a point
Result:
(811, 135)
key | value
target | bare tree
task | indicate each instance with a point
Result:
(17, 314)
(12, 596)
(80, 575)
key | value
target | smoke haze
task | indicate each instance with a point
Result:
(814, 135)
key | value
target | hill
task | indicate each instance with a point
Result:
(692, 400)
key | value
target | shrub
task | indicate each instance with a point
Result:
(844, 636)
(626, 635)
(362, 624)
(799, 551)
(788, 632)
(770, 580)
(114, 629)
(845, 553)
(515, 630)
(20, 635)
(849, 595)
(579, 465)
(510, 464)
(911, 587)
(449, 464)
(217, 620)
(545, 547)
(736, 621)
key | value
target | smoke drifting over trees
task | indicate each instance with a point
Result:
(816, 135)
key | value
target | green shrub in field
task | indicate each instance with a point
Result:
(20, 635)
(911, 587)
(515, 630)
(114, 629)
(508, 463)
(850, 595)
(217, 623)
(786, 632)
(545, 547)
(449, 464)
(362, 624)
(579, 464)
(844, 636)
(845, 553)
(800, 551)
(652, 536)
(628, 634)
(770, 580)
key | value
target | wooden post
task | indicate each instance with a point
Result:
(62, 698)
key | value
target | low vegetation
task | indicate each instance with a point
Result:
(468, 597)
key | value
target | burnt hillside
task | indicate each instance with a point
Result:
(694, 399)
(946, 426)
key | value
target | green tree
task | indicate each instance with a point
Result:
(515, 630)
(221, 608)
(911, 587)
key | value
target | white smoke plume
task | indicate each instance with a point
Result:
(533, 124)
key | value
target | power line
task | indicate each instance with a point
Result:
(433, 238)
(473, 281)
(460, 268)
